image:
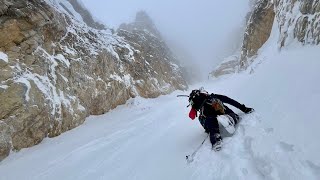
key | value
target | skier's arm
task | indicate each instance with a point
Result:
(230, 101)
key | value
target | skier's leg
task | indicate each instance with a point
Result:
(202, 121)
(214, 132)
(234, 116)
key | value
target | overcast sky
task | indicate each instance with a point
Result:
(208, 29)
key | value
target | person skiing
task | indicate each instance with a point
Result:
(210, 106)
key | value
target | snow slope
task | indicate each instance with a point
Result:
(280, 140)
(149, 138)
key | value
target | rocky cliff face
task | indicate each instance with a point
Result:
(155, 63)
(84, 13)
(257, 32)
(56, 70)
(297, 21)
(228, 66)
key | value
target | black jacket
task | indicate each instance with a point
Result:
(208, 111)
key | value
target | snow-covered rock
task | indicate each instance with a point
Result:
(59, 70)
(258, 31)
(151, 59)
(83, 14)
(228, 66)
(296, 21)
(3, 57)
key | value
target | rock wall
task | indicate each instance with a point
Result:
(56, 70)
(297, 21)
(86, 15)
(156, 63)
(257, 32)
(228, 66)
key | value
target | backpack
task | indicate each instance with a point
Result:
(218, 105)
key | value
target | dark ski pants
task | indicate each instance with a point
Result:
(211, 125)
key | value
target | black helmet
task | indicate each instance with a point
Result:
(197, 98)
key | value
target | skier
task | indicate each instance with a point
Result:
(210, 106)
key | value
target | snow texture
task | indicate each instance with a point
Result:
(149, 138)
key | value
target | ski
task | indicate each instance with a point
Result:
(227, 122)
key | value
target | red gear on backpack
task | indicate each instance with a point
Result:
(192, 114)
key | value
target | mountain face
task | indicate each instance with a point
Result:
(296, 21)
(59, 66)
(155, 63)
(258, 30)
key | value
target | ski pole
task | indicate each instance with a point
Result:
(189, 158)
(182, 96)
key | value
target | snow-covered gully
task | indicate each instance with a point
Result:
(150, 138)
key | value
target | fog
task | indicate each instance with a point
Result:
(206, 30)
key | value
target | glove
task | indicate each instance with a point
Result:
(247, 110)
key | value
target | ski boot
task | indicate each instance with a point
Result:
(218, 143)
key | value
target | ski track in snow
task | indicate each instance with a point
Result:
(152, 144)
(150, 138)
